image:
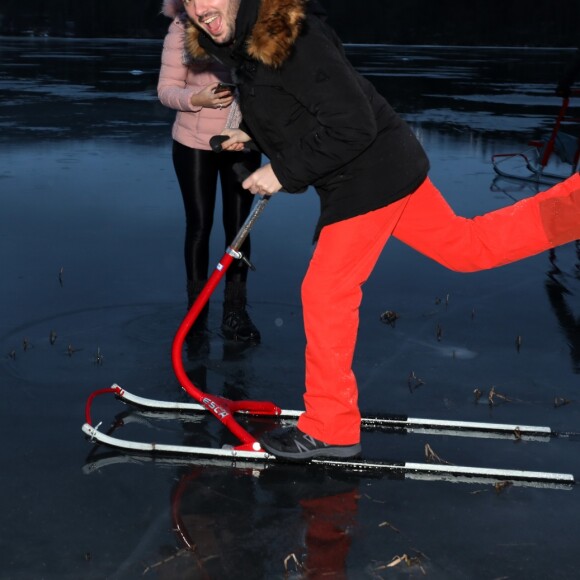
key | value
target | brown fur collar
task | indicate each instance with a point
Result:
(273, 36)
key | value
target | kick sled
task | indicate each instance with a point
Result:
(248, 449)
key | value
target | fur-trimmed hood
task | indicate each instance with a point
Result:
(276, 29)
(171, 8)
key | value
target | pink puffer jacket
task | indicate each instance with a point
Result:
(179, 78)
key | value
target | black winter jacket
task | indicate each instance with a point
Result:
(318, 121)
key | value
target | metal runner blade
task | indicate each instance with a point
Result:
(404, 469)
(392, 422)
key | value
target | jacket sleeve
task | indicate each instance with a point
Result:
(172, 88)
(321, 79)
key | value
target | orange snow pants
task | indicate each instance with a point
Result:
(347, 252)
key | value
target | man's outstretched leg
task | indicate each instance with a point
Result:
(523, 229)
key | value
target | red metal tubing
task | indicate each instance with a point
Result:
(256, 408)
(92, 397)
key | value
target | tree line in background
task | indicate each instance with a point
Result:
(479, 22)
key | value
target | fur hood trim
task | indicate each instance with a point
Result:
(171, 8)
(278, 26)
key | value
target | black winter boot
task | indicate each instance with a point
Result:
(236, 323)
(193, 290)
(197, 339)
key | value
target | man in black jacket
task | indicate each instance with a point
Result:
(320, 123)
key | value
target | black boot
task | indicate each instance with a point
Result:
(236, 323)
(197, 339)
(193, 290)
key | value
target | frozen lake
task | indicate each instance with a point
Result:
(93, 291)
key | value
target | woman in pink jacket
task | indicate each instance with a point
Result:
(189, 87)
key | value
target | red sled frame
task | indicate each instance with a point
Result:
(540, 152)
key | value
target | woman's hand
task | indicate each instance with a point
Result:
(263, 181)
(236, 141)
(211, 100)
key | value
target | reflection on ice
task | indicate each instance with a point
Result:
(450, 119)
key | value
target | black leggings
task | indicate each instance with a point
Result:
(197, 171)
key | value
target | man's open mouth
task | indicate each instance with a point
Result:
(212, 23)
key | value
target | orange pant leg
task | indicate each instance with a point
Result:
(331, 294)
